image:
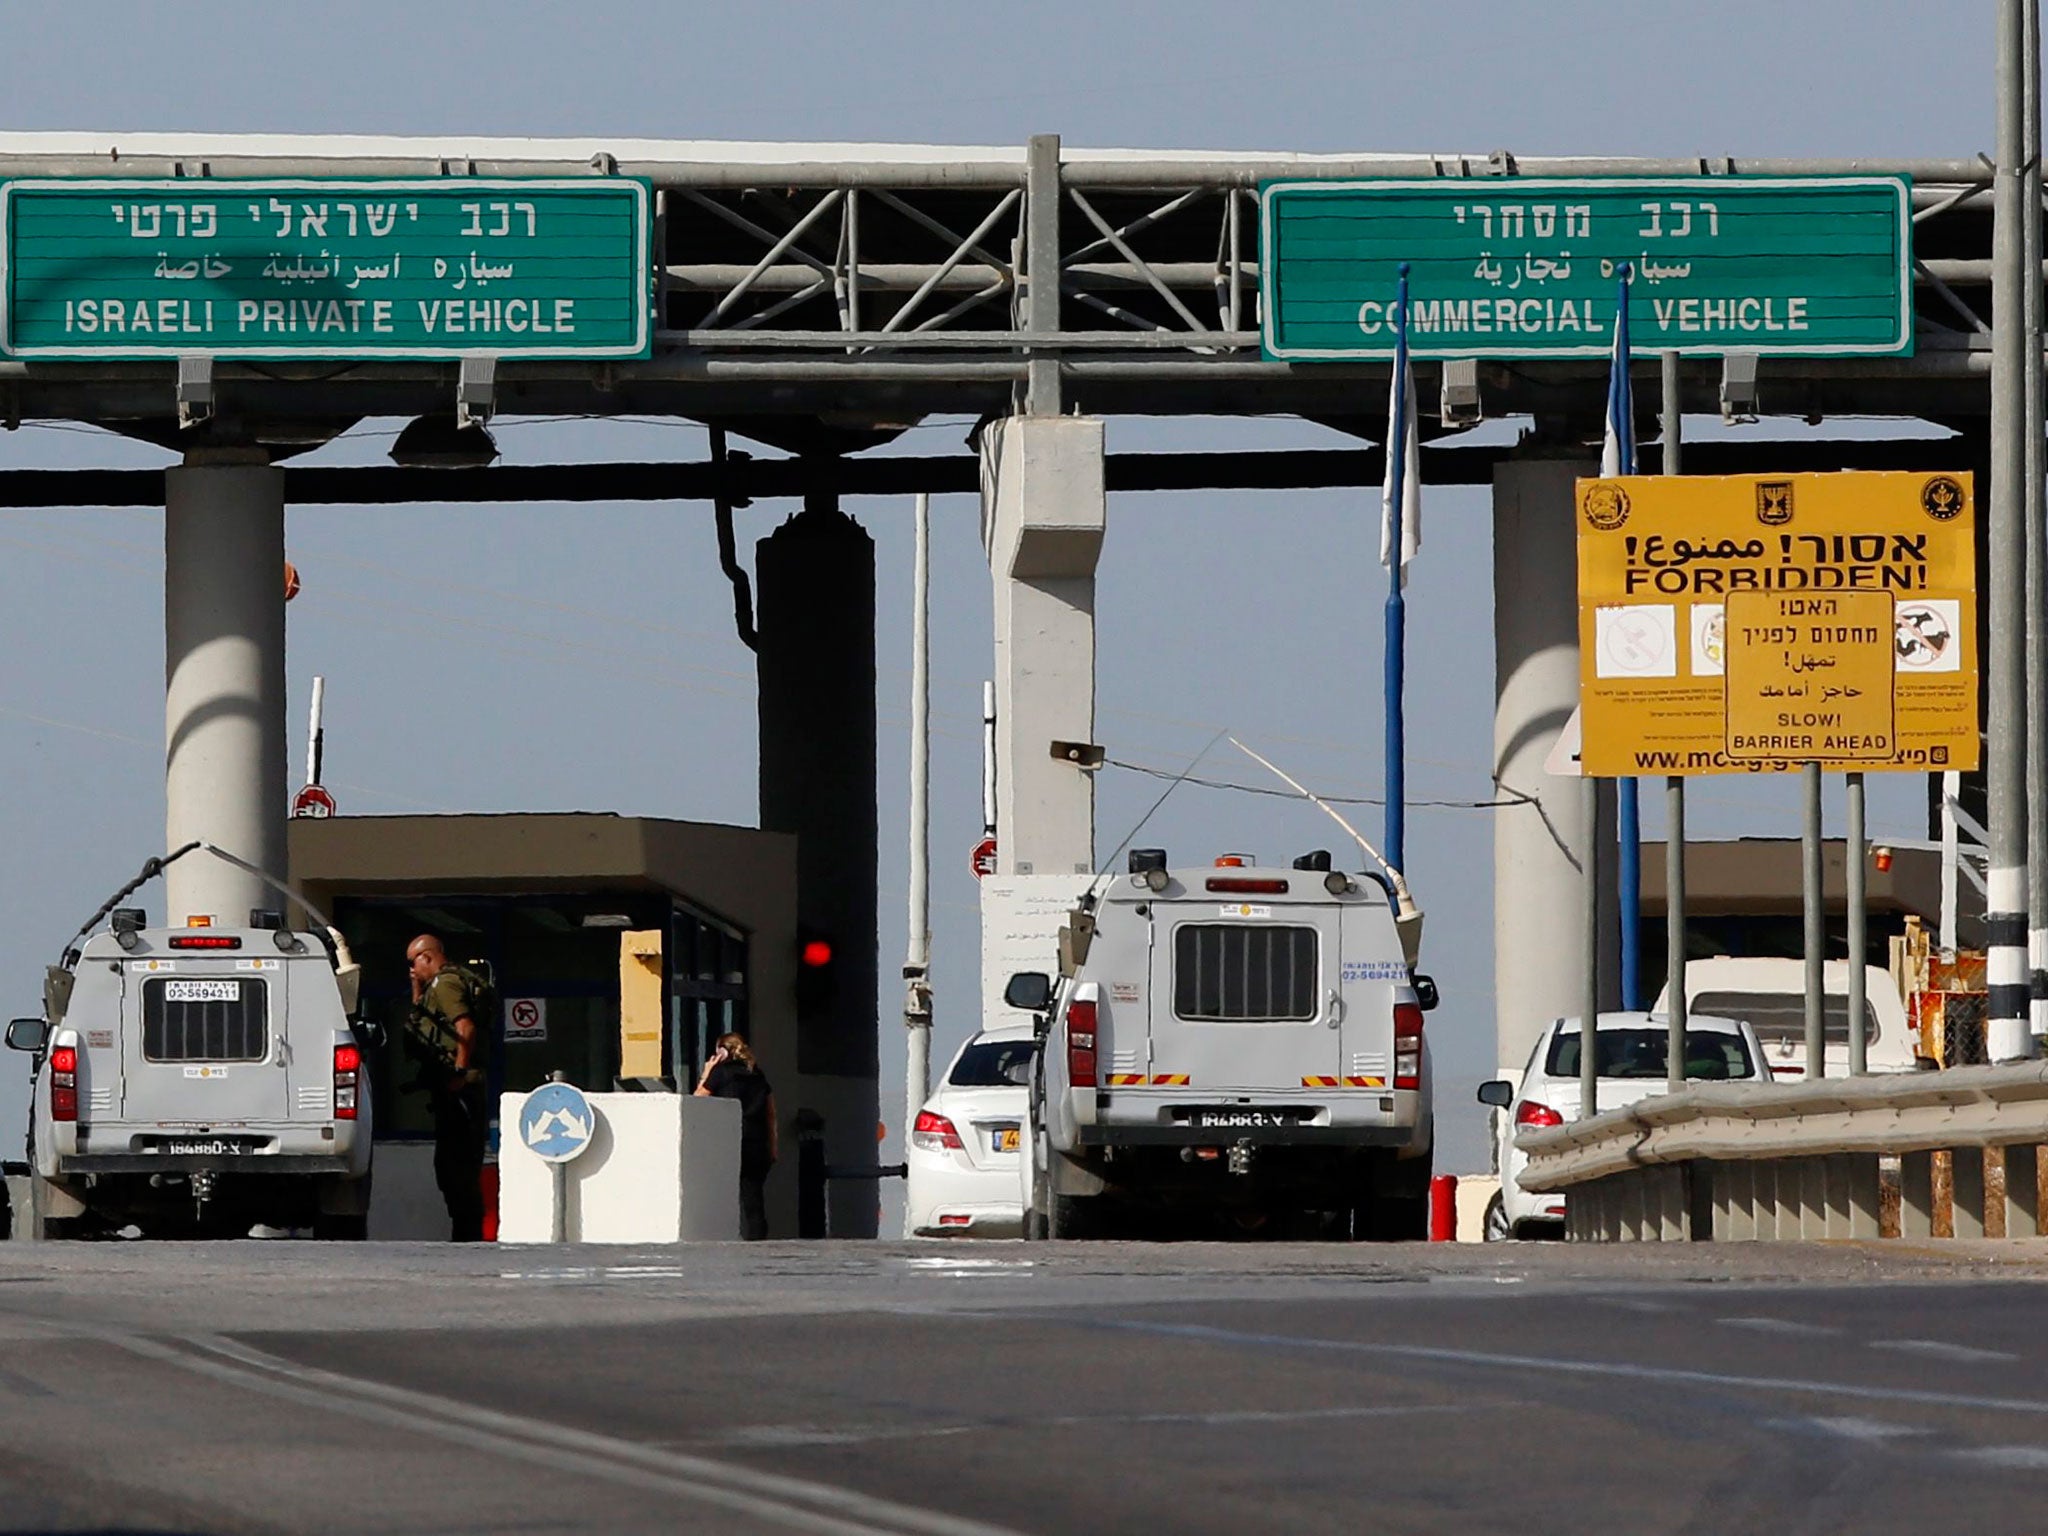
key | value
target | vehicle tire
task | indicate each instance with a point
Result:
(1395, 1206)
(1495, 1228)
(1034, 1203)
(1066, 1217)
(42, 1226)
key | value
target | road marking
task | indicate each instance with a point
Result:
(1773, 1325)
(595, 1274)
(1866, 1431)
(2017, 1458)
(779, 1435)
(969, 1269)
(794, 1502)
(946, 1261)
(1556, 1365)
(1940, 1349)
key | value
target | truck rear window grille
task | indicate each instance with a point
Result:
(232, 1025)
(1228, 972)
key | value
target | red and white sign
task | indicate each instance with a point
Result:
(526, 1018)
(984, 858)
(313, 800)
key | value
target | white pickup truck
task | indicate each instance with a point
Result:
(197, 1081)
(1234, 1040)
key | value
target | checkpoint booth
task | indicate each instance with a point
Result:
(620, 949)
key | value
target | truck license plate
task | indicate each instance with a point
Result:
(1236, 1119)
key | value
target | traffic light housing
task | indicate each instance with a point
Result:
(817, 982)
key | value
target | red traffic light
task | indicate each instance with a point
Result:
(816, 954)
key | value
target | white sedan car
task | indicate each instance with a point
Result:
(964, 1149)
(1633, 1051)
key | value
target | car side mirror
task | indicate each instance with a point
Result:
(1030, 991)
(1426, 995)
(27, 1034)
(1498, 1092)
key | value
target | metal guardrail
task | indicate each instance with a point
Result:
(1803, 1161)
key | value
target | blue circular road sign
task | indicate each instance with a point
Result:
(556, 1123)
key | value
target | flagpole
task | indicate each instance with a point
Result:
(1628, 813)
(1396, 612)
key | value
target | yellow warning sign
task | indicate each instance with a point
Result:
(1755, 623)
(1810, 677)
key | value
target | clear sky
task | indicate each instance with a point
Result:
(589, 652)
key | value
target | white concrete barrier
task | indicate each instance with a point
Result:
(660, 1168)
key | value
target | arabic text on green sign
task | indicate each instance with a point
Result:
(419, 268)
(1513, 267)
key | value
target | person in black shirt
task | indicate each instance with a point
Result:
(733, 1073)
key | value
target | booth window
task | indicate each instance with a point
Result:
(707, 988)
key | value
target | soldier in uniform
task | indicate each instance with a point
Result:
(448, 1032)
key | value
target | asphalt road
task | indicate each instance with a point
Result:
(957, 1390)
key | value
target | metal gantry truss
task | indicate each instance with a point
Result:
(870, 287)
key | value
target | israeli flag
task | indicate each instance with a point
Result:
(1618, 449)
(1402, 487)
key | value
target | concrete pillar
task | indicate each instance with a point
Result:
(1966, 1191)
(2022, 1191)
(1537, 927)
(1670, 1216)
(1042, 515)
(1916, 1195)
(1734, 1202)
(1853, 1197)
(224, 732)
(816, 622)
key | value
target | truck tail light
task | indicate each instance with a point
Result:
(348, 1071)
(1536, 1115)
(1407, 1045)
(64, 1082)
(935, 1133)
(1081, 1044)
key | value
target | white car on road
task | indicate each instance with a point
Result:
(965, 1171)
(1633, 1055)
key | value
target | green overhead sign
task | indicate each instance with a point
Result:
(1528, 268)
(434, 267)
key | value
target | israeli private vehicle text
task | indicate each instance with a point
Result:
(198, 1081)
(1233, 1042)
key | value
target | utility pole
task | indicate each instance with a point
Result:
(2007, 1036)
(2036, 536)
(917, 987)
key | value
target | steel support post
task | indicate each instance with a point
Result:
(1042, 392)
(2036, 538)
(1673, 434)
(1855, 856)
(2006, 1035)
(1589, 958)
(1811, 903)
(917, 986)
(224, 730)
